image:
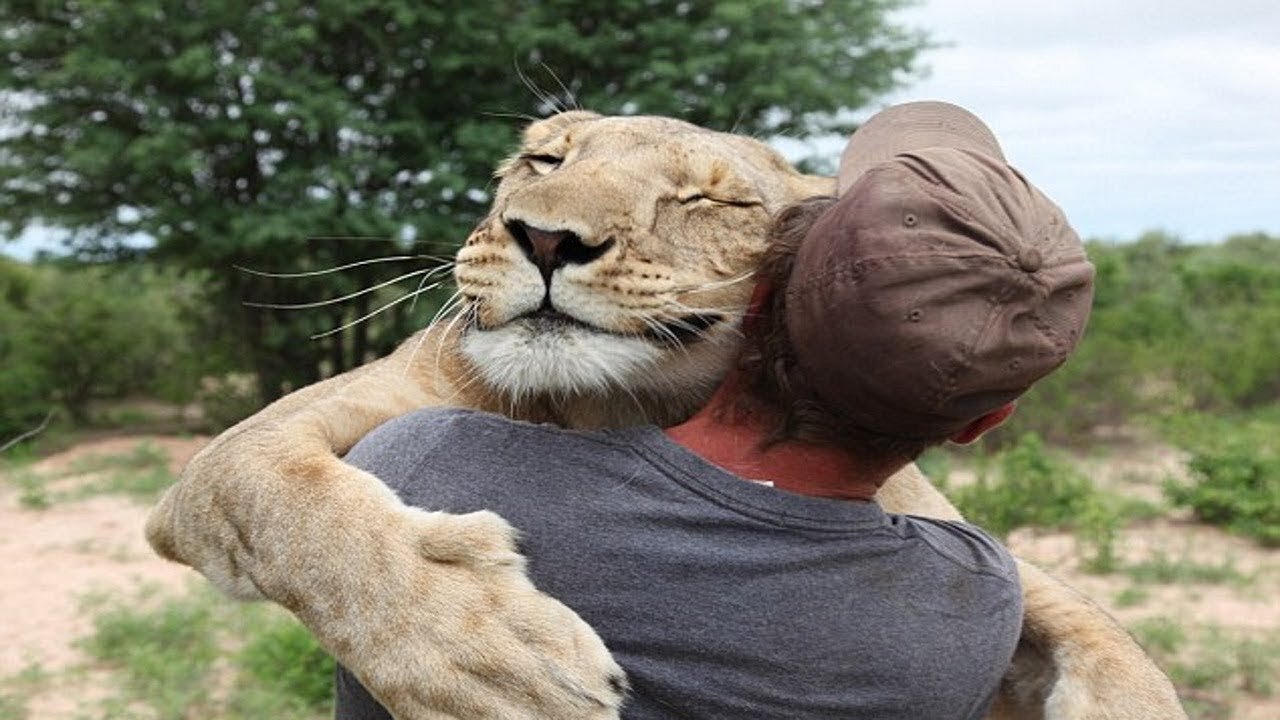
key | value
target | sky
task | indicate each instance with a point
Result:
(1134, 115)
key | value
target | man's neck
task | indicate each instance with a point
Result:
(731, 439)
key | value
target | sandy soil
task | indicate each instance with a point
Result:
(50, 558)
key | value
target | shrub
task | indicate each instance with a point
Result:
(226, 400)
(1025, 485)
(73, 334)
(1235, 468)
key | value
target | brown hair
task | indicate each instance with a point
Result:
(773, 380)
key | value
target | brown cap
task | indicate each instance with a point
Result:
(940, 286)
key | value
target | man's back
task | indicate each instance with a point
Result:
(722, 598)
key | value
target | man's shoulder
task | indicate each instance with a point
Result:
(418, 433)
(964, 545)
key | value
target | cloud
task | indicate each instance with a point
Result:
(1133, 115)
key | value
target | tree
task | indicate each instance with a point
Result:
(72, 335)
(231, 132)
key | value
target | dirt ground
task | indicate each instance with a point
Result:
(50, 558)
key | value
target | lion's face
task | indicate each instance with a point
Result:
(617, 260)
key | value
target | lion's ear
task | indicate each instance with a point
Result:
(539, 131)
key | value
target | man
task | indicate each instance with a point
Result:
(735, 564)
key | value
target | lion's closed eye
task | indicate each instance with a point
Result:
(542, 164)
(691, 197)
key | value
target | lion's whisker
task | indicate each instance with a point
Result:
(524, 117)
(713, 285)
(447, 306)
(384, 308)
(455, 302)
(568, 94)
(421, 283)
(426, 273)
(546, 99)
(339, 268)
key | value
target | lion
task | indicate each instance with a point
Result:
(604, 288)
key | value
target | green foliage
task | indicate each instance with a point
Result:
(26, 392)
(1209, 664)
(32, 493)
(1175, 327)
(240, 133)
(142, 473)
(1160, 568)
(1159, 635)
(1131, 596)
(1028, 485)
(1235, 467)
(170, 657)
(286, 660)
(1023, 485)
(75, 334)
(164, 650)
(226, 400)
(16, 689)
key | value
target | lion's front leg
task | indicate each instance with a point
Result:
(1074, 662)
(220, 516)
(1096, 671)
(436, 615)
(432, 611)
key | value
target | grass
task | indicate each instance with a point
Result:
(142, 473)
(1029, 485)
(196, 655)
(16, 690)
(1160, 568)
(1212, 666)
(1131, 596)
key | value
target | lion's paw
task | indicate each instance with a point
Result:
(463, 632)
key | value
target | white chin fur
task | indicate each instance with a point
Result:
(521, 362)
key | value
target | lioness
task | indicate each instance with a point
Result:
(635, 323)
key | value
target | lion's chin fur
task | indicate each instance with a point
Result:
(572, 369)
(522, 361)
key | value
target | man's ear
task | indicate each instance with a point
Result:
(758, 307)
(979, 427)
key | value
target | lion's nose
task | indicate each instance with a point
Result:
(551, 249)
(544, 246)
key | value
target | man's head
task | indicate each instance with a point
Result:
(934, 292)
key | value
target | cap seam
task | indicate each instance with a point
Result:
(861, 266)
(994, 301)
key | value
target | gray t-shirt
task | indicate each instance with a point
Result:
(720, 597)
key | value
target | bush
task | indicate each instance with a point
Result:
(1025, 485)
(26, 390)
(225, 401)
(1235, 468)
(1175, 327)
(72, 334)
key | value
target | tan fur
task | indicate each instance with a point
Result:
(434, 612)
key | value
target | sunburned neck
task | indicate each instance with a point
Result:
(731, 440)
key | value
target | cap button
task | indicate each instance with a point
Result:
(1029, 259)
